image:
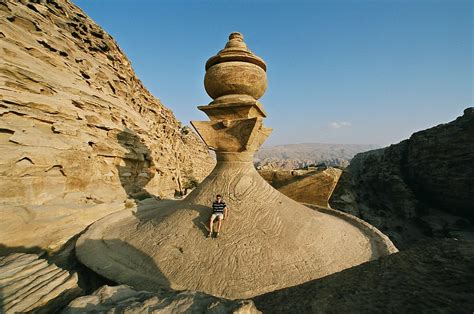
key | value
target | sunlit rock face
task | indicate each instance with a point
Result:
(268, 241)
(77, 127)
(313, 186)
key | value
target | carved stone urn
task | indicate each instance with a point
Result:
(268, 241)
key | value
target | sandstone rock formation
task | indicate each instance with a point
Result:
(434, 276)
(77, 127)
(123, 299)
(29, 283)
(304, 186)
(422, 185)
(268, 242)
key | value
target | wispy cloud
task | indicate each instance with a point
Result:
(338, 125)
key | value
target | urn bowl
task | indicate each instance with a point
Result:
(235, 77)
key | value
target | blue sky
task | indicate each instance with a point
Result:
(338, 71)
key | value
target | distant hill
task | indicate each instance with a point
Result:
(293, 156)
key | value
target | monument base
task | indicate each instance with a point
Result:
(268, 242)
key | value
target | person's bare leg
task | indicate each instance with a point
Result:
(211, 222)
(219, 223)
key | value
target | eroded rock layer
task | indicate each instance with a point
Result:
(76, 125)
(30, 283)
(123, 299)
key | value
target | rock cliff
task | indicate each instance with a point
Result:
(423, 186)
(77, 128)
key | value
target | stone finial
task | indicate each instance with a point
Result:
(236, 41)
(235, 70)
(237, 36)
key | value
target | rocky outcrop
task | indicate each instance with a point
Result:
(435, 276)
(123, 299)
(29, 283)
(423, 186)
(305, 186)
(77, 127)
(439, 165)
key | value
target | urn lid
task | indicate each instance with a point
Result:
(236, 50)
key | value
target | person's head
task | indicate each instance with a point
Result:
(218, 197)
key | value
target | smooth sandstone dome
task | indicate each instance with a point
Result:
(268, 241)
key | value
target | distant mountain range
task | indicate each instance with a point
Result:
(294, 156)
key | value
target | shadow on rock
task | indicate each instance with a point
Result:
(202, 221)
(433, 276)
(137, 168)
(5, 250)
(131, 265)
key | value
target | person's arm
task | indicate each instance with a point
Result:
(226, 212)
